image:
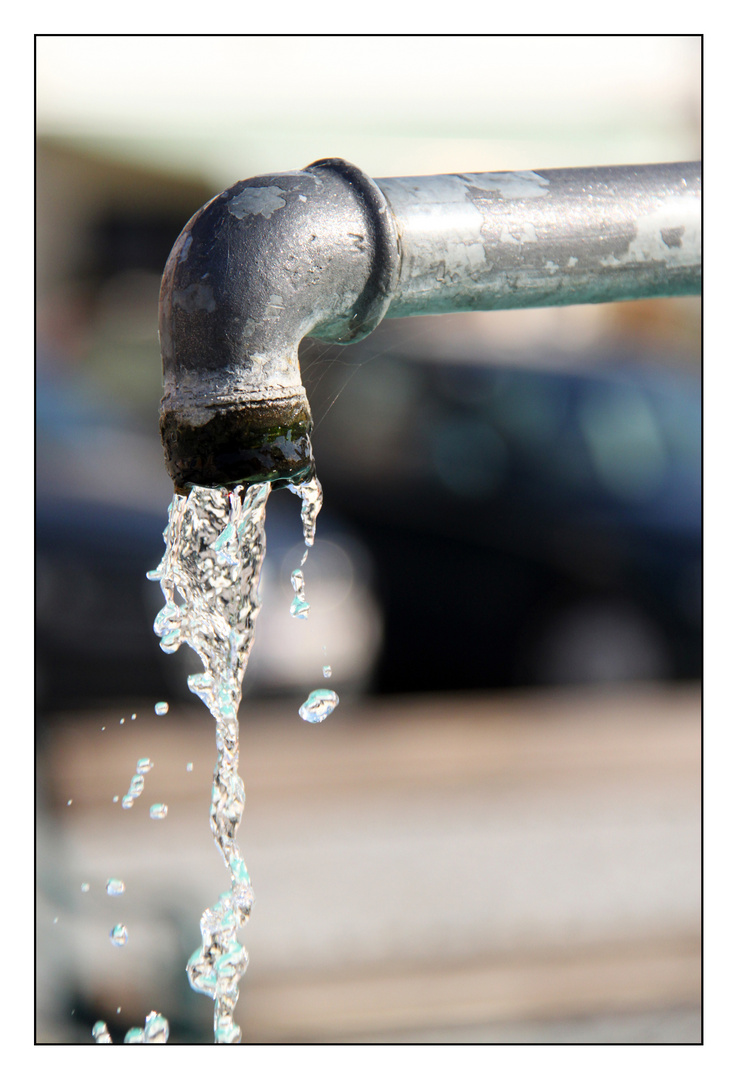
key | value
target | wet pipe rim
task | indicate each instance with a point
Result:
(233, 448)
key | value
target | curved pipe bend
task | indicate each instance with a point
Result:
(327, 252)
(262, 265)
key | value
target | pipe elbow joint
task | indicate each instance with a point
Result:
(271, 260)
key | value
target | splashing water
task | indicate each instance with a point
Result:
(136, 786)
(209, 574)
(156, 1030)
(100, 1032)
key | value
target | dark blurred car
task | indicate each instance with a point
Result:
(527, 526)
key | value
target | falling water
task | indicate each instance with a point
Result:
(209, 574)
(319, 704)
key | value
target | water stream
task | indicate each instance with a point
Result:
(209, 574)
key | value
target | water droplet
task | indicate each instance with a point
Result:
(127, 802)
(100, 1032)
(134, 1035)
(158, 811)
(118, 1009)
(136, 786)
(122, 720)
(133, 716)
(115, 887)
(311, 494)
(56, 919)
(102, 728)
(85, 887)
(119, 935)
(157, 1028)
(189, 766)
(299, 608)
(161, 708)
(145, 764)
(319, 704)
(69, 802)
(327, 671)
(115, 798)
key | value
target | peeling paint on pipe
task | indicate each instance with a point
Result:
(546, 238)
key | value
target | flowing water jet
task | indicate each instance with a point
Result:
(209, 574)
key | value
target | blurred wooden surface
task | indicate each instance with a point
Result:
(420, 865)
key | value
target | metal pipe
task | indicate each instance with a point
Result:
(536, 239)
(327, 252)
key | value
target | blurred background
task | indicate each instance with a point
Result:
(543, 611)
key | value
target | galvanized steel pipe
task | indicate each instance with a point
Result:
(535, 239)
(327, 252)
